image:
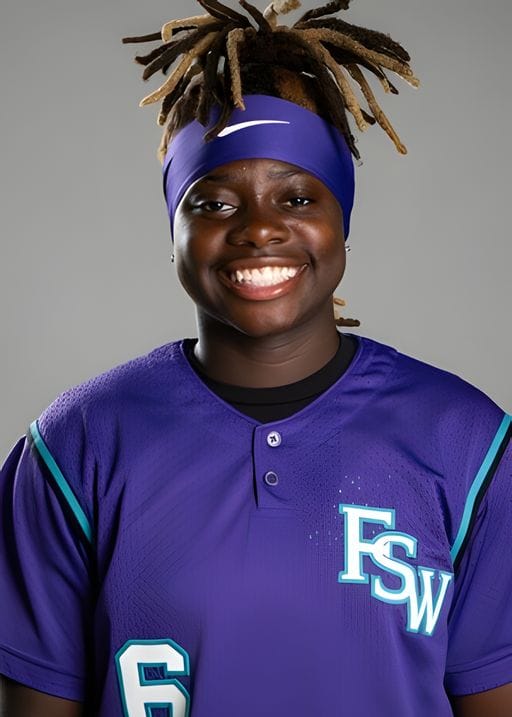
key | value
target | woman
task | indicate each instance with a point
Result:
(276, 518)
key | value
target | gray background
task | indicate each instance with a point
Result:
(86, 281)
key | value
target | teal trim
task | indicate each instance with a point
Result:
(477, 483)
(125, 669)
(64, 486)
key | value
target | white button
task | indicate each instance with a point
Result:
(271, 478)
(274, 439)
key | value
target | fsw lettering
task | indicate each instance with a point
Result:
(416, 589)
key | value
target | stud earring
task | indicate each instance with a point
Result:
(172, 258)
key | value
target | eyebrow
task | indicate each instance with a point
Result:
(272, 174)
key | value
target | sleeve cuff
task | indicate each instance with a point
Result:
(488, 676)
(40, 677)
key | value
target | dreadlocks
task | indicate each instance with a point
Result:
(219, 56)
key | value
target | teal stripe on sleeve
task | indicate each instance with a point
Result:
(64, 486)
(477, 484)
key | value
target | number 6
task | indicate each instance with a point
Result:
(139, 694)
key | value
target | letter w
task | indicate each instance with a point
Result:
(423, 610)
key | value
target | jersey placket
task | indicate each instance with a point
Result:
(272, 487)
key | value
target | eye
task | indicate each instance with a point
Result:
(300, 201)
(213, 207)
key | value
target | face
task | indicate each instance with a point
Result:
(259, 247)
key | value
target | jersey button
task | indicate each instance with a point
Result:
(271, 478)
(274, 439)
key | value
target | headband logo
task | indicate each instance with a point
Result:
(243, 125)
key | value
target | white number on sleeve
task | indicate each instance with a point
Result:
(140, 694)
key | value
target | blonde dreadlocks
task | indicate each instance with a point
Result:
(218, 57)
(228, 51)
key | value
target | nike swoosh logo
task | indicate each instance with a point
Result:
(243, 125)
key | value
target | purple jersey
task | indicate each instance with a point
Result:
(164, 554)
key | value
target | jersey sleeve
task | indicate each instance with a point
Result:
(45, 562)
(480, 622)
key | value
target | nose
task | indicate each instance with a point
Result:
(259, 225)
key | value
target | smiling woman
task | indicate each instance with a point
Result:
(259, 248)
(274, 517)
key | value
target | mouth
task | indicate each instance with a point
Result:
(262, 283)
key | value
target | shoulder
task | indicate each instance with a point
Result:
(440, 410)
(114, 389)
(447, 423)
(79, 434)
(433, 387)
(80, 427)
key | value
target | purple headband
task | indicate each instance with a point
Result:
(269, 128)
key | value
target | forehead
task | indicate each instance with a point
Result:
(264, 168)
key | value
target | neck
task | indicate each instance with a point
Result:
(229, 356)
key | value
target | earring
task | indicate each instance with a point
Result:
(347, 247)
(172, 258)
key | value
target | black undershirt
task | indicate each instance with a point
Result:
(273, 404)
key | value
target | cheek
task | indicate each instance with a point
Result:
(332, 258)
(189, 271)
(186, 257)
(193, 263)
(337, 268)
(328, 247)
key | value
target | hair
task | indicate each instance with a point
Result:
(217, 57)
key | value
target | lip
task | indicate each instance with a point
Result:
(261, 293)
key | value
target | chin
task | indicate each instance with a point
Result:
(261, 326)
(261, 319)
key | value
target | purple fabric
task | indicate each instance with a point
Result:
(293, 134)
(211, 592)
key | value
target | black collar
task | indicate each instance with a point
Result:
(304, 390)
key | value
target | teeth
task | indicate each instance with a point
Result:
(266, 276)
